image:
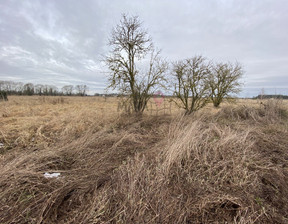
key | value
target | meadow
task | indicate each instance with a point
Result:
(224, 165)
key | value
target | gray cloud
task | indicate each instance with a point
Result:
(62, 42)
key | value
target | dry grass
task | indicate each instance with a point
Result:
(225, 165)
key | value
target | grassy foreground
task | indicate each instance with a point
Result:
(218, 166)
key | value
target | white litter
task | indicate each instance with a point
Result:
(1, 145)
(51, 175)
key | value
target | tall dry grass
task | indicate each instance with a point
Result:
(229, 166)
(207, 172)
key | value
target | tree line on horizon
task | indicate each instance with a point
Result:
(29, 89)
(271, 96)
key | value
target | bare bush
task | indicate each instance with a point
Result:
(224, 80)
(191, 83)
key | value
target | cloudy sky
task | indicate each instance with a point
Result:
(62, 42)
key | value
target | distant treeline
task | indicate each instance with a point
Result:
(19, 88)
(108, 94)
(126, 95)
(271, 97)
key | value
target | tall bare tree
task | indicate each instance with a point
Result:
(28, 89)
(191, 85)
(38, 89)
(130, 46)
(81, 90)
(67, 90)
(224, 80)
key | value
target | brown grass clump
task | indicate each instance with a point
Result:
(223, 167)
(205, 173)
(271, 110)
(86, 161)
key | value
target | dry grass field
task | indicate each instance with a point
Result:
(225, 165)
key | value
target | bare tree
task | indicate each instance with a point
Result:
(39, 89)
(8, 86)
(130, 46)
(191, 86)
(224, 80)
(3, 95)
(28, 89)
(2, 84)
(53, 90)
(18, 88)
(46, 90)
(11, 87)
(49, 90)
(81, 90)
(67, 90)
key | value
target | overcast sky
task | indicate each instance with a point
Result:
(62, 42)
